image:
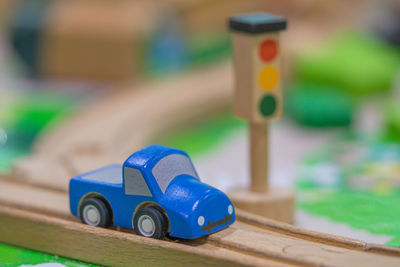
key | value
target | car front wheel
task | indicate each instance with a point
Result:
(150, 222)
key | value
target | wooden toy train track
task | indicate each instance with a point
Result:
(34, 207)
(39, 219)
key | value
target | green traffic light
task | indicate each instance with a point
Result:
(267, 105)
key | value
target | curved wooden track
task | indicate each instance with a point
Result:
(34, 202)
(123, 121)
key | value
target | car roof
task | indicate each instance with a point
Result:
(148, 156)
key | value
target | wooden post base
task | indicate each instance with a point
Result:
(275, 204)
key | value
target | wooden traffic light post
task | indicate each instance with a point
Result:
(258, 157)
(258, 99)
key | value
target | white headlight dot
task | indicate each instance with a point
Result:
(230, 209)
(200, 220)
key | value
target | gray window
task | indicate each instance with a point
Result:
(171, 166)
(135, 183)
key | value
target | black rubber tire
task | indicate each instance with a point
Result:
(105, 214)
(160, 222)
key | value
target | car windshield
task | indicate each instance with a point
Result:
(170, 167)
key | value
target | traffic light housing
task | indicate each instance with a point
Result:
(257, 64)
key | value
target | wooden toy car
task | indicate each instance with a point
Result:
(156, 192)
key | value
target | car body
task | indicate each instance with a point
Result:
(159, 178)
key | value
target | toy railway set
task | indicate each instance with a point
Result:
(154, 209)
(36, 212)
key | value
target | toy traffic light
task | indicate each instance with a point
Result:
(258, 99)
(258, 95)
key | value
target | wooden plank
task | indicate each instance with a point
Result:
(250, 218)
(319, 237)
(276, 245)
(43, 171)
(34, 199)
(110, 247)
(252, 236)
(382, 249)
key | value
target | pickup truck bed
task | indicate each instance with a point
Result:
(106, 181)
(111, 174)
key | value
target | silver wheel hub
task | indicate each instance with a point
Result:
(91, 215)
(146, 225)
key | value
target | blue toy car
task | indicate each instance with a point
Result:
(157, 192)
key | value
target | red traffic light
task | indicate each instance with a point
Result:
(268, 50)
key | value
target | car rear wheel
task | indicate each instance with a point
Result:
(150, 222)
(94, 212)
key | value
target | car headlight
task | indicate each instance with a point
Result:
(200, 220)
(230, 209)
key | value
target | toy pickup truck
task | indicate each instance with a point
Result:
(157, 192)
